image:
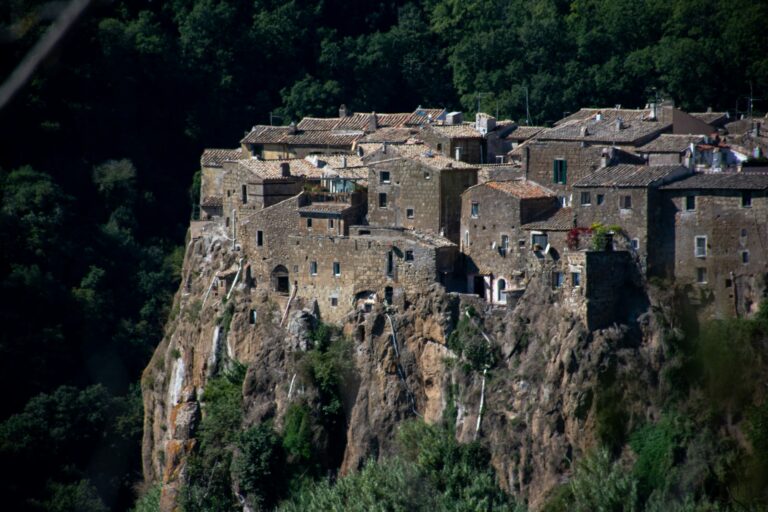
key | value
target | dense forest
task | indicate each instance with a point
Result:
(100, 149)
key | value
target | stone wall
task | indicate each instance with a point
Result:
(728, 285)
(539, 157)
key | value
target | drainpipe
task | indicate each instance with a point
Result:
(234, 228)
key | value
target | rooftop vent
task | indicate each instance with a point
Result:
(372, 122)
(619, 124)
(343, 111)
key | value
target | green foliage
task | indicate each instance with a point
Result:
(600, 234)
(226, 318)
(599, 484)
(259, 465)
(297, 434)
(468, 342)
(149, 501)
(610, 417)
(655, 446)
(79, 496)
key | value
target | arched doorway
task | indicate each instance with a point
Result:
(501, 294)
(279, 277)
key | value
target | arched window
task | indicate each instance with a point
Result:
(501, 294)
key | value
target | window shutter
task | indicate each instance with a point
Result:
(564, 164)
(555, 172)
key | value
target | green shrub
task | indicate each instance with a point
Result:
(260, 465)
(655, 447)
(468, 342)
(297, 433)
(599, 484)
(150, 501)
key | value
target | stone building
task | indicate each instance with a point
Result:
(669, 149)
(284, 142)
(475, 143)
(411, 186)
(715, 239)
(625, 197)
(211, 180)
(492, 241)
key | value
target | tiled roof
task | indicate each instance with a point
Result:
(424, 115)
(605, 130)
(395, 135)
(524, 189)
(426, 156)
(215, 157)
(631, 176)
(272, 170)
(585, 114)
(333, 208)
(283, 135)
(669, 143)
(713, 118)
(458, 131)
(522, 133)
(211, 201)
(317, 123)
(722, 181)
(558, 220)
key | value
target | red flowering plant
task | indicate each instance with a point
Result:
(574, 237)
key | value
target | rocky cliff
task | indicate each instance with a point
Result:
(540, 380)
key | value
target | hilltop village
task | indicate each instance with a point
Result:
(361, 208)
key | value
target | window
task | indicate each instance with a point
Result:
(501, 294)
(390, 264)
(313, 268)
(586, 199)
(244, 192)
(259, 238)
(746, 199)
(701, 275)
(384, 177)
(309, 222)
(330, 223)
(439, 146)
(625, 202)
(226, 223)
(382, 200)
(557, 279)
(334, 301)
(743, 232)
(635, 244)
(690, 203)
(409, 213)
(408, 255)
(745, 257)
(252, 317)
(504, 247)
(427, 175)
(336, 268)
(466, 238)
(701, 246)
(575, 279)
(600, 199)
(295, 269)
(539, 239)
(560, 171)
(229, 193)
(475, 210)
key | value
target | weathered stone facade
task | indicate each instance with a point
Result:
(409, 186)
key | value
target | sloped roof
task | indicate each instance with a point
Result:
(722, 181)
(713, 118)
(522, 133)
(391, 134)
(317, 123)
(521, 188)
(585, 114)
(428, 157)
(458, 131)
(215, 157)
(670, 143)
(272, 169)
(261, 134)
(604, 130)
(325, 208)
(632, 176)
(424, 115)
(558, 220)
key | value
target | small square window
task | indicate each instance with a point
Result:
(409, 255)
(427, 175)
(334, 301)
(600, 199)
(635, 244)
(690, 203)
(746, 199)
(409, 213)
(701, 246)
(701, 275)
(336, 268)
(384, 177)
(625, 203)
(576, 279)
(586, 199)
(475, 211)
(313, 268)
(743, 232)
(745, 257)
(382, 200)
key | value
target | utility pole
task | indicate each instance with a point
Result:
(527, 110)
(273, 116)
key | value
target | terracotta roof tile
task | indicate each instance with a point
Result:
(722, 181)
(670, 143)
(215, 157)
(558, 220)
(283, 135)
(424, 115)
(524, 189)
(522, 133)
(326, 208)
(632, 176)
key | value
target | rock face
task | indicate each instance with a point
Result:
(539, 395)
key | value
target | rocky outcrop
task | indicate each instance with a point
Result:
(539, 396)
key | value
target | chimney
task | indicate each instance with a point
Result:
(292, 127)
(688, 160)
(605, 158)
(343, 162)
(458, 154)
(709, 110)
(599, 116)
(343, 110)
(652, 111)
(619, 124)
(755, 129)
(384, 148)
(583, 132)
(372, 123)
(285, 169)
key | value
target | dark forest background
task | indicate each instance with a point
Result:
(98, 153)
